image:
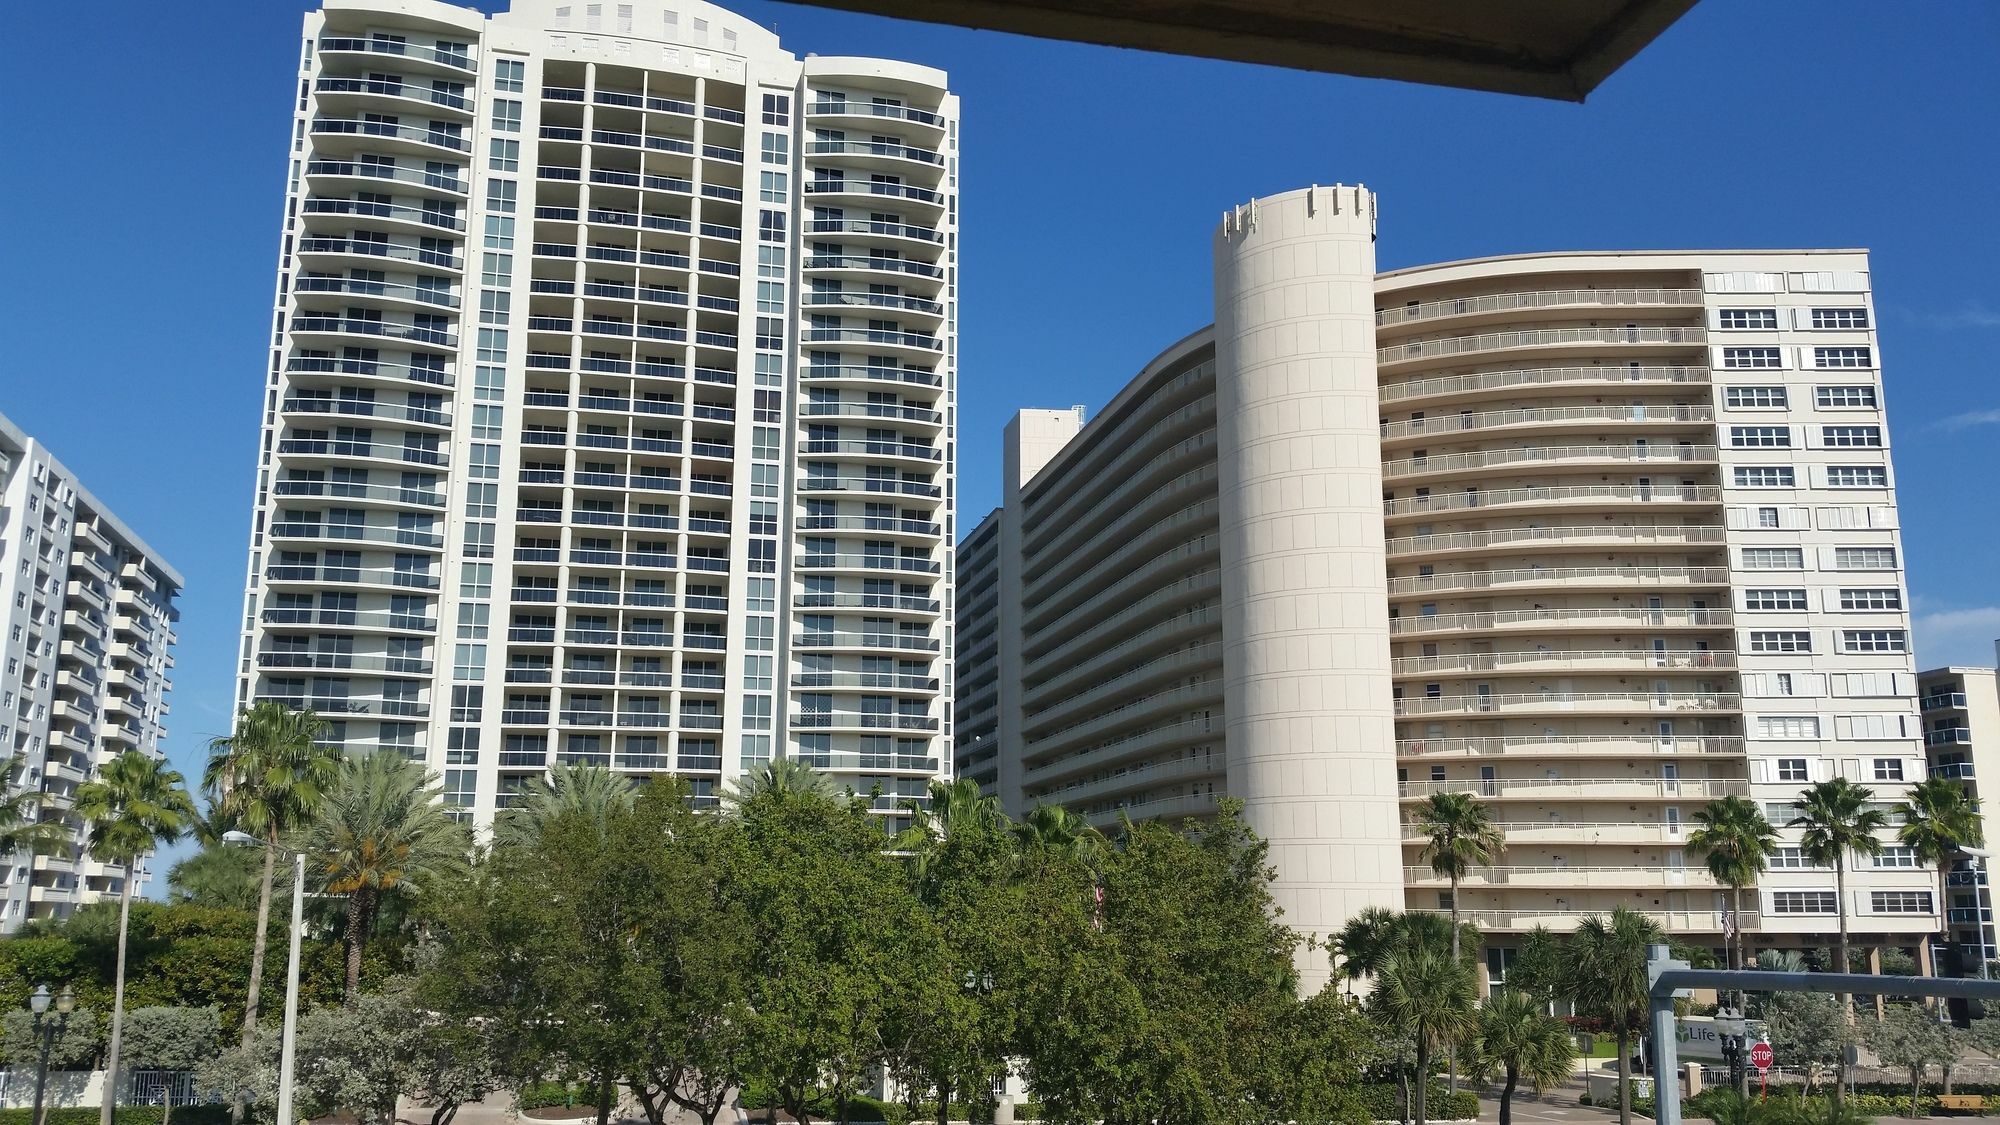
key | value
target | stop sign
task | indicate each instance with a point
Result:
(1761, 1056)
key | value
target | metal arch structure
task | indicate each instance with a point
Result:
(1667, 976)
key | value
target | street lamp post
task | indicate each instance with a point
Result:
(288, 1044)
(47, 1031)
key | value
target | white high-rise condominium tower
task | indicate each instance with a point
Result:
(86, 623)
(1594, 537)
(611, 398)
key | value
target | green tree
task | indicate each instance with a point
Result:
(1058, 832)
(268, 777)
(1541, 968)
(359, 1056)
(173, 1039)
(78, 1039)
(1837, 822)
(1608, 959)
(1939, 819)
(134, 805)
(1734, 840)
(782, 776)
(591, 792)
(1365, 942)
(1460, 835)
(217, 876)
(1910, 1037)
(22, 828)
(1315, 1061)
(383, 830)
(1432, 996)
(1519, 1039)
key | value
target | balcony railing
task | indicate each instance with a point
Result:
(1609, 788)
(1662, 618)
(1560, 575)
(1581, 744)
(1584, 702)
(1552, 659)
(1625, 535)
(1939, 701)
(1552, 454)
(1537, 337)
(1540, 377)
(1948, 736)
(1548, 415)
(1506, 497)
(1541, 299)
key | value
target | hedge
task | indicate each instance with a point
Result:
(127, 1115)
(1379, 1101)
(539, 1095)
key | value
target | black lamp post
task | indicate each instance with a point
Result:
(47, 1030)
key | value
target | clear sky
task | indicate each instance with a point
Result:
(142, 154)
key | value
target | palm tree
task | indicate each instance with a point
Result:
(268, 777)
(784, 777)
(592, 791)
(1837, 822)
(384, 830)
(1365, 942)
(1523, 1041)
(134, 805)
(1735, 841)
(22, 828)
(1059, 830)
(1608, 955)
(1424, 992)
(955, 810)
(1939, 819)
(1462, 837)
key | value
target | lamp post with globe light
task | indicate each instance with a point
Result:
(288, 1045)
(47, 1030)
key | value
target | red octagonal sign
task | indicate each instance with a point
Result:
(1761, 1056)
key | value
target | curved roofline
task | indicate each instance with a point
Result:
(1172, 354)
(1541, 254)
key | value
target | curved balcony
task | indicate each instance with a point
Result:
(868, 375)
(376, 173)
(882, 155)
(1549, 417)
(896, 302)
(1139, 776)
(873, 450)
(366, 408)
(374, 253)
(348, 662)
(311, 369)
(309, 323)
(905, 232)
(1544, 661)
(1577, 745)
(1146, 709)
(378, 493)
(1608, 788)
(1549, 339)
(874, 112)
(867, 642)
(392, 92)
(357, 533)
(1163, 645)
(862, 721)
(1574, 577)
(870, 190)
(1560, 456)
(398, 215)
(1567, 703)
(1523, 380)
(875, 603)
(314, 449)
(1584, 619)
(869, 486)
(367, 620)
(386, 136)
(1157, 808)
(863, 681)
(913, 344)
(865, 267)
(1484, 306)
(922, 530)
(873, 564)
(378, 294)
(1579, 831)
(866, 412)
(1585, 537)
(454, 62)
(1552, 496)
(1114, 751)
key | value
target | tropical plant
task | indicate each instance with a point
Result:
(955, 810)
(591, 791)
(22, 828)
(1940, 818)
(1365, 942)
(384, 830)
(1060, 832)
(268, 777)
(1431, 996)
(133, 805)
(780, 777)
(1521, 1041)
(1735, 841)
(1912, 1038)
(1460, 835)
(1608, 958)
(1837, 821)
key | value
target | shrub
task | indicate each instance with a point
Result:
(127, 1115)
(1378, 1101)
(542, 1095)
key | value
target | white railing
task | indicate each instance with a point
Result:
(1502, 497)
(1558, 618)
(1537, 337)
(1570, 701)
(1538, 377)
(1544, 415)
(1599, 788)
(1591, 744)
(1540, 659)
(1543, 575)
(1626, 535)
(1536, 455)
(1538, 299)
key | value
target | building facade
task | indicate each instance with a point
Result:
(610, 410)
(1629, 544)
(86, 632)
(1961, 715)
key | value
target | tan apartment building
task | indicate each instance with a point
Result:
(1595, 536)
(1961, 715)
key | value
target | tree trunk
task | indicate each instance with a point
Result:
(1625, 1075)
(239, 1107)
(442, 1115)
(109, 1109)
(1916, 1090)
(1739, 1068)
(1402, 1091)
(360, 918)
(604, 1088)
(1843, 1077)
(1419, 1094)
(1453, 1048)
(944, 1101)
(1507, 1095)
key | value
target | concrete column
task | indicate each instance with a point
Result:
(1305, 630)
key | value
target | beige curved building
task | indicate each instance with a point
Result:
(1619, 539)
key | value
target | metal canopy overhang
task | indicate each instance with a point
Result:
(1558, 49)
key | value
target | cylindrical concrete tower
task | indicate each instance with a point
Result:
(1311, 734)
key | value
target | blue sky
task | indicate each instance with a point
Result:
(142, 184)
